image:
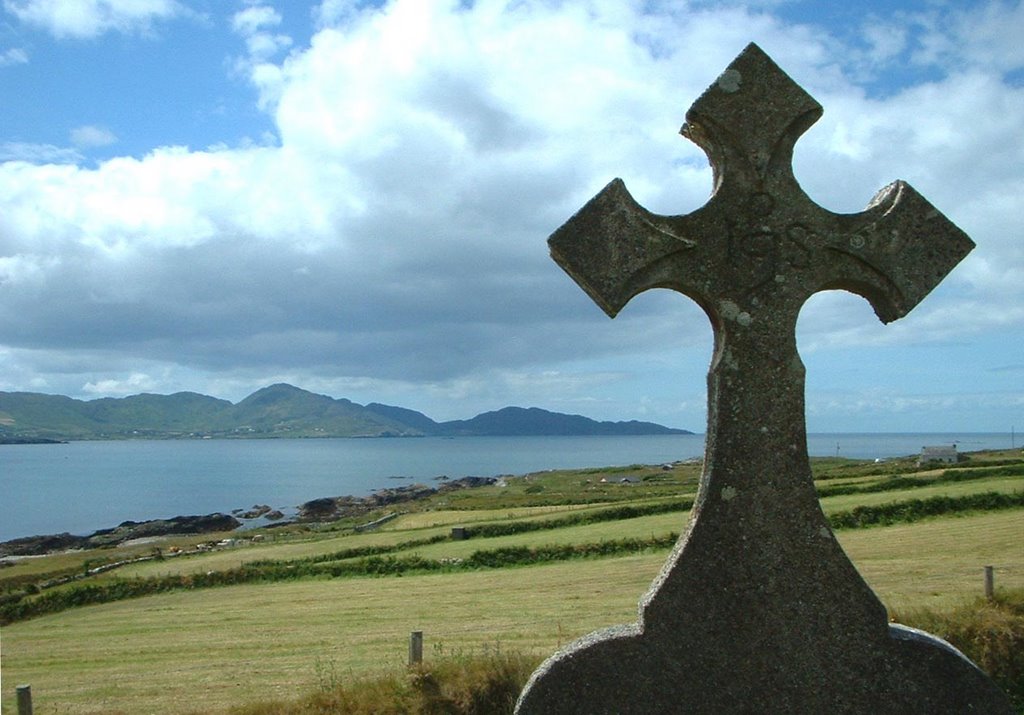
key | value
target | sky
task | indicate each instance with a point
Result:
(354, 198)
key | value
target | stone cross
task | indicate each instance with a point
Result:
(758, 609)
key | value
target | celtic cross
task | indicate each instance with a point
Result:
(758, 609)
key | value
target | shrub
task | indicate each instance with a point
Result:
(917, 509)
(991, 633)
(486, 684)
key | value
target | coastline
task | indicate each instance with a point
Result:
(9, 439)
(81, 487)
(317, 510)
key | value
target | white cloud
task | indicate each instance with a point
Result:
(13, 56)
(90, 18)
(908, 412)
(255, 18)
(253, 24)
(91, 136)
(135, 383)
(38, 153)
(395, 237)
(983, 37)
(886, 40)
(334, 12)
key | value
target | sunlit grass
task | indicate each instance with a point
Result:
(177, 651)
(939, 563)
(210, 648)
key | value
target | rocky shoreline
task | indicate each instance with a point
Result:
(334, 508)
(125, 531)
(10, 439)
(316, 510)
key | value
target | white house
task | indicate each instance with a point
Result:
(944, 454)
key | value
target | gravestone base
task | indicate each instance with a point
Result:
(621, 671)
(758, 609)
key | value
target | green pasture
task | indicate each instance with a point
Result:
(236, 556)
(938, 563)
(430, 518)
(205, 650)
(1002, 485)
(411, 527)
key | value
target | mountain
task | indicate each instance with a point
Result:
(416, 420)
(58, 417)
(519, 421)
(29, 414)
(284, 410)
(180, 412)
(276, 411)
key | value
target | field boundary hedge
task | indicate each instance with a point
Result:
(387, 565)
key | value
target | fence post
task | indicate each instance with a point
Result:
(990, 583)
(415, 648)
(24, 699)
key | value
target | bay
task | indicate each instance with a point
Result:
(84, 486)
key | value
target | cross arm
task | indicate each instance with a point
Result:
(610, 245)
(900, 248)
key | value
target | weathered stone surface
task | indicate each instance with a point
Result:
(758, 609)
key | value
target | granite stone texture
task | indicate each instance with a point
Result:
(758, 609)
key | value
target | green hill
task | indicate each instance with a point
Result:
(279, 410)
(290, 411)
(522, 421)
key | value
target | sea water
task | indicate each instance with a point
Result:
(84, 486)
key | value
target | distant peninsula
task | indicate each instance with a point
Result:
(276, 411)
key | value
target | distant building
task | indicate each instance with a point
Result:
(943, 454)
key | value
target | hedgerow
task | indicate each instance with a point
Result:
(906, 512)
(617, 513)
(896, 483)
(377, 564)
(961, 474)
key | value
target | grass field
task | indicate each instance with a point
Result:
(206, 650)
